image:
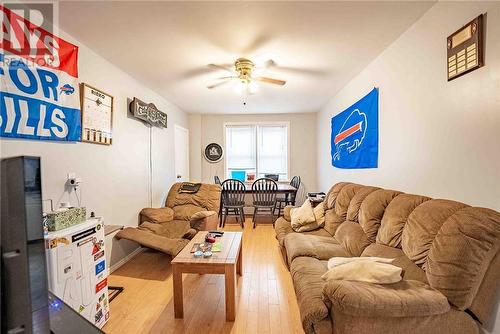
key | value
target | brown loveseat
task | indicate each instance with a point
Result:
(448, 250)
(169, 229)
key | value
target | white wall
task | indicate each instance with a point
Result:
(437, 138)
(115, 178)
(205, 129)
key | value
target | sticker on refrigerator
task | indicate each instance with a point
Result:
(97, 246)
(98, 255)
(83, 234)
(99, 268)
(101, 285)
(98, 316)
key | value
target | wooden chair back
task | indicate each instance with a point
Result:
(233, 192)
(264, 192)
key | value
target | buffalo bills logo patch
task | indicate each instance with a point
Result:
(67, 89)
(354, 140)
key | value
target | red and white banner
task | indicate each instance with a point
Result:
(39, 95)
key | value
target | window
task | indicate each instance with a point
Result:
(256, 149)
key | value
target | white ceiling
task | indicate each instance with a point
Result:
(317, 46)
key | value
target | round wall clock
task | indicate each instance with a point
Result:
(213, 152)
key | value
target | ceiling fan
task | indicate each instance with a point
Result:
(244, 70)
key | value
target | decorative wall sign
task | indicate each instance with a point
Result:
(466, 49)
(213, 152)
(148, 113)
(354, 141)
(39, 96)
(97, 116)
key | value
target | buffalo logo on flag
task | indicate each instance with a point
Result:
(354, 142)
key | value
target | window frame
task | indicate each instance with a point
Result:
(256, 125)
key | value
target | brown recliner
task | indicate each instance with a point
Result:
(170, 228)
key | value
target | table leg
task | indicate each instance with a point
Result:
(230, 282)
(177, 282)
(239, 263)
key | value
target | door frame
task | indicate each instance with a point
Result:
(186, 130)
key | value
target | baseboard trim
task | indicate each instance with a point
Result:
(126, 259)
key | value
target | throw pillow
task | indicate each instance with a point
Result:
(302, 216)
(319, 214)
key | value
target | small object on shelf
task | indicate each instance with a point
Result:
(198, 253)
(207, 254)
(216, 247)
(216, 233)
(316, 197)
(64, 218)
(210, 238)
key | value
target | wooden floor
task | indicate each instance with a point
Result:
(265, 303)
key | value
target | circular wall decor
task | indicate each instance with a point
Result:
(213, 152)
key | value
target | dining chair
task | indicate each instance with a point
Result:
(274, 177)
(217, 181)
(289, 198)
(233, 200)
(264, 197)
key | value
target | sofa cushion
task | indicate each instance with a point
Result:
(355, 203)
(451, 322)
(207, 197)
(410, 270)
(395, 217)
(306, 275)
(332, 221)
(352, 237)
(423, 225)
(319, 247)
(401, 299)
(372, 210)
(156, 215)
(462, 252)
(282, 227)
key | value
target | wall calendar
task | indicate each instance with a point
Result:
(465, 49)
(97, 115)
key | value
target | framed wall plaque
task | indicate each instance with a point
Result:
(97, 115)
(465, 49)
(213, 152)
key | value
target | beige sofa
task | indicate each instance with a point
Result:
(170, 228)
(448, 250)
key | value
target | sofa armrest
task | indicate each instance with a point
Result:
(402, 299)
(156, 215)
(286, 212)
(204, 221)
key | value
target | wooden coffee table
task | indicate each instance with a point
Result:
(227, 262)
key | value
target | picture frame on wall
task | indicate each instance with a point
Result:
(97, 115)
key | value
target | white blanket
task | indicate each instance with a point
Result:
(363, 269)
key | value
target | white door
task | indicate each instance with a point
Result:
(181, 142)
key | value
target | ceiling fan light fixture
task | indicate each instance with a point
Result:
(253, 87)
(240, 87)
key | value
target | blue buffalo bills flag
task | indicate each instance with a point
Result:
(354, 142)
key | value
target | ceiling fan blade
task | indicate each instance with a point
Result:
(224, 67)
(271, 81)
(219, 84)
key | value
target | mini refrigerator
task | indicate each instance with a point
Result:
(76, 265)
